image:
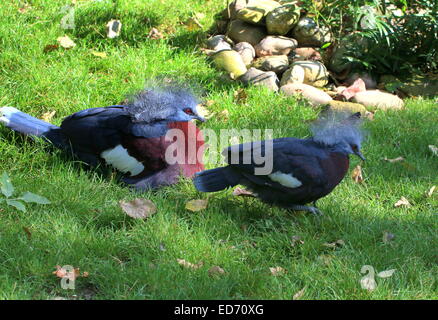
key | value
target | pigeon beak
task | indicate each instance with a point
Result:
(360, 155)
(197, 117)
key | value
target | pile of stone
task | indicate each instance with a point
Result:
(273, 44)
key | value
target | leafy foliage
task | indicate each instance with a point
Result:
(7, 189)
(400, 36)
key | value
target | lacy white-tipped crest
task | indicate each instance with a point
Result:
(336, 127)
(156, 103)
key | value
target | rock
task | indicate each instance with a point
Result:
(219, 42)
(369, 80)
(282, 19)
(246, 51)
(378, 99)
(309, 72)
(278, 64)
(309, 34)
(230, 61)
(256, 10)
(261, 78)
(315, 96)
(240, 31)
(275, 45)
(231, 11)
(347, 106)
(357, 86)
(308, 53)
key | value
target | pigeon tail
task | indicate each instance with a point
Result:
(23, 123)
(216, 179)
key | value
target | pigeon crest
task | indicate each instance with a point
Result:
(334, 128)
(159, 103)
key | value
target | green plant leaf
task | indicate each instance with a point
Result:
(6, 186)
(34, 198)
(17, 204)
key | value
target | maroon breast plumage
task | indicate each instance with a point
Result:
(151, 152)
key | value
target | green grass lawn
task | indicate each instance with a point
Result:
(137, 259)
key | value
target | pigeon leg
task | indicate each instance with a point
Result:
(310, 209)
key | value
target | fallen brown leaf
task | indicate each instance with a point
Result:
(242, 192)
(333, 245)
(356, 174)
(155, 34)
(50, 47)
(398, 159)
(240, 96)
(48, 116)
(66, 42)
(138, 208)
(189, 265)
(215, 270)
(299, 294)
(28, 232)
(197, 205)
(277, 271)
(403, 202)
(224, 115)
(99, 54)
(61, 272)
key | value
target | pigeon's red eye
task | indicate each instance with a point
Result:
(188, 111)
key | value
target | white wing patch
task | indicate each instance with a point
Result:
(285, 179)
(119, 158)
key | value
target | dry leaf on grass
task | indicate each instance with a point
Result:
(50, 47)
(48, 116)
(398, 159)
(215, 270)
(28, 232)
(403, 202)
(189, 265)
(63, 272)
(66, 42)
(155, 34)
(139, 208)
(240, 192)
(430, 192)
(240, 96)
(277, 271)
(197, 205)
(299, 294)
(99, 54)
(356, 174)
(333, 245)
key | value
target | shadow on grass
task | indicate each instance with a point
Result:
(91, 25)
